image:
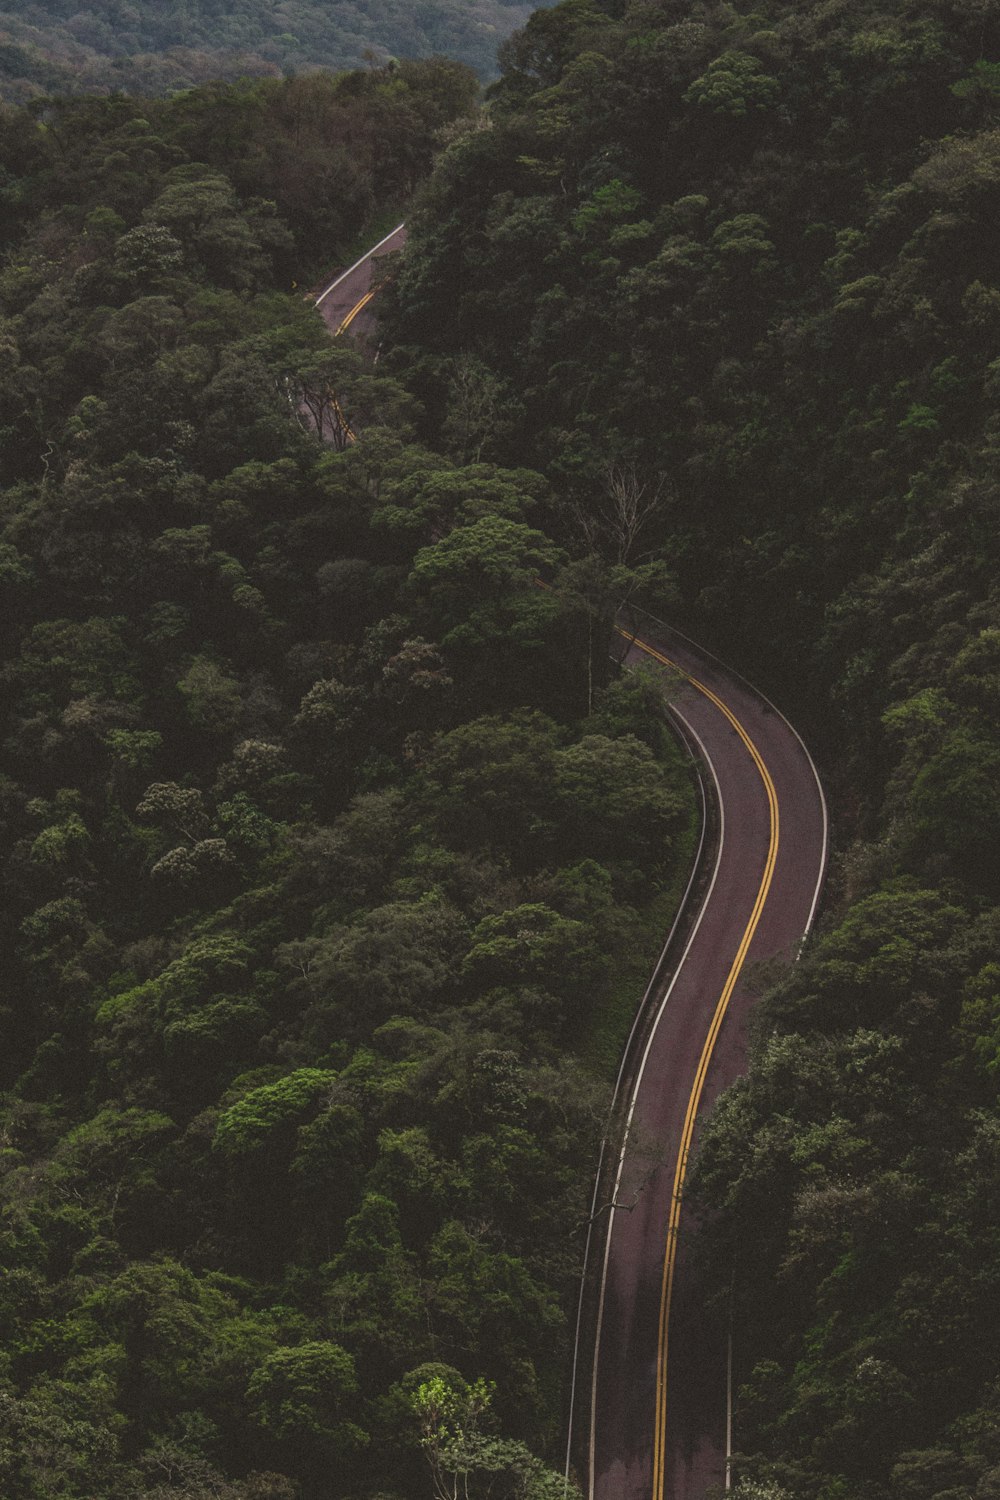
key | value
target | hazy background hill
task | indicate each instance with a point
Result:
(151, 47)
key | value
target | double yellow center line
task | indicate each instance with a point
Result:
(342, 327)
(358, 306)
(680, 1170)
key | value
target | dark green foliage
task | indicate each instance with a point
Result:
(312, 868)
(191, 183)
(861, 1152)
(753, 255)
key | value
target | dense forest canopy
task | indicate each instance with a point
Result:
(315, 902)
(322, 155)
(150, 47)
(751, 253)
(333, 858)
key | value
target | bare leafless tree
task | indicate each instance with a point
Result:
(615, 570)
(481, 409)
(612, 527)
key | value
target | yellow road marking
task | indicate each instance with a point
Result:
(680, 1171)
(355, 310)
(349, 432)
(341, 328)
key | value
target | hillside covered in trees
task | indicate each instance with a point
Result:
(324, 155)
(332, 858)
(145, 47)
(315, 903)
(753, 251)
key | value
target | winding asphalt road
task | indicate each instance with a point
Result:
(659, 1406)
(659, 1402)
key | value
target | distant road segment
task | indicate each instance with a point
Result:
(344, 303)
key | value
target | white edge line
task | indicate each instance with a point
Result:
(635, 1092)
(729, 1400)
(639, 1016)
(367, 256)
(579, 1316)
(681, 909)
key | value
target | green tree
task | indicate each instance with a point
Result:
(301, 1397)
(263, 1115)
(734, 84)
(465, 1462)
(211, 696)
(477, 585)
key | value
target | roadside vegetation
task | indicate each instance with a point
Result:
(326, 833)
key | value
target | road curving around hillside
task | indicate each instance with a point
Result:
(656, 1411)
(658, 1426)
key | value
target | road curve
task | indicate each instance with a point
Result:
(659, 1407)
(344, 304)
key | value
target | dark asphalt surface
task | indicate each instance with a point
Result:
(345, 291)
(625, 1383)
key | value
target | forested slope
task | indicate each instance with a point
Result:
(326, 843)
(148, 47)
(751, 255)
(328, 154)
